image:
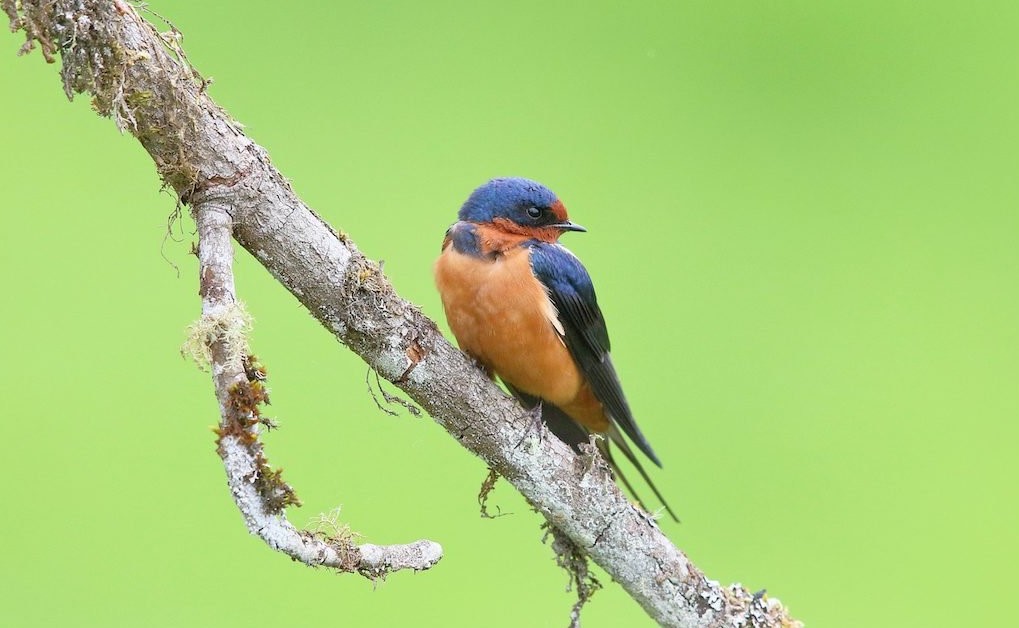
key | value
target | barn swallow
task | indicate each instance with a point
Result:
(524, 308)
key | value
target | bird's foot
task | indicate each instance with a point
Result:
(481, 366)
(534, 424)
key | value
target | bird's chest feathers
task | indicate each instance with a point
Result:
(494, 298)
(501, 314)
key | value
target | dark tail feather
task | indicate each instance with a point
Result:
(617, 438)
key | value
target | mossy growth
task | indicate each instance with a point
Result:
(328, 528)
(241, 420)
(574, 561)
(486, 489)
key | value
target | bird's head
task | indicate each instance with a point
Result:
(519, 206)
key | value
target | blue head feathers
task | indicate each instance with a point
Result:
(511, 198)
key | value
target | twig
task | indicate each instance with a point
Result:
(239, 380)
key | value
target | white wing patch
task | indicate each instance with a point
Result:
(552, 314)
(548, 308)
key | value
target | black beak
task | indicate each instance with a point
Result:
(569, 226)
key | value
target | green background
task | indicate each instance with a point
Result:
(802, 223)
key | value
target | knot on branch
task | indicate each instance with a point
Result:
(371, 293)
(374, 315)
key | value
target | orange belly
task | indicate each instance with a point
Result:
(501, 316)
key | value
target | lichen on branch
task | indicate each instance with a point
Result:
(232, 324)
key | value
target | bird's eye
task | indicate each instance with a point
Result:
(534, 212)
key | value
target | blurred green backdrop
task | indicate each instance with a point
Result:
(802, 227)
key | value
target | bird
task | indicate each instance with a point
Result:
(524, 308)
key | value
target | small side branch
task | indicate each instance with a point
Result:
(259, 491)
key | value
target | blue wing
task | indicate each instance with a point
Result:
(570, 288)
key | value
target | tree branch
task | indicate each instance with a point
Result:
(260, 493)
(144, 81)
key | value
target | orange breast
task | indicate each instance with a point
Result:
(501, 315)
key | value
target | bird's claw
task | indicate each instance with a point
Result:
(478, 364)
(534, 424)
